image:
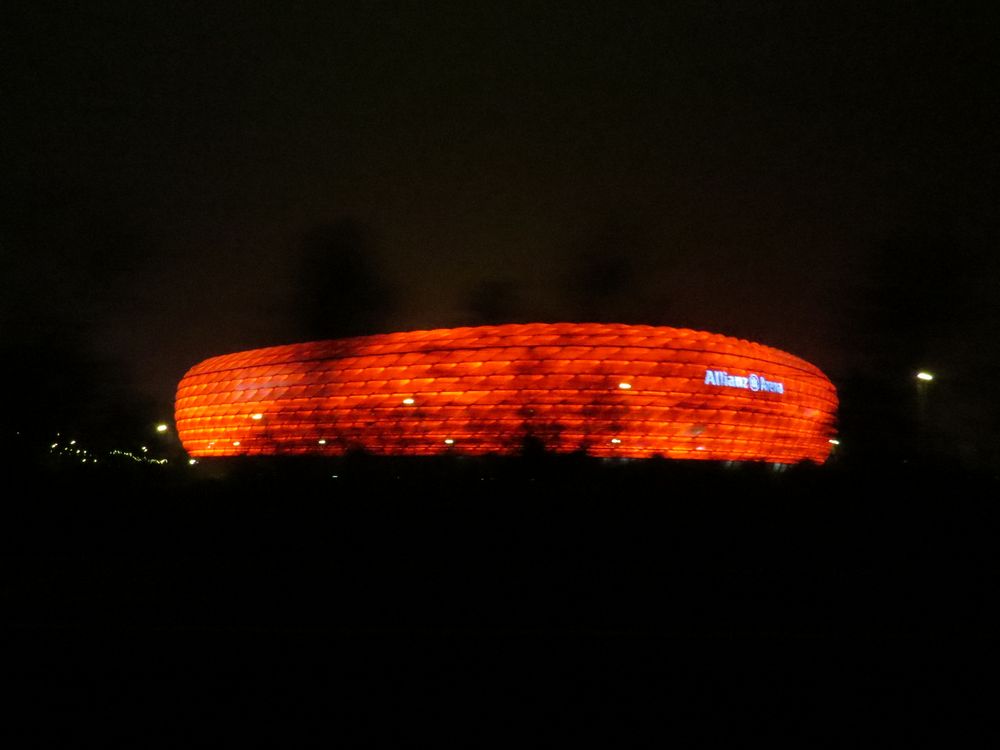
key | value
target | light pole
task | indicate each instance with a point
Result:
(924, 379)
(168, 445)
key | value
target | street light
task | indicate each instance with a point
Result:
(924, 379)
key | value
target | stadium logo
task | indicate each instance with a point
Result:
(752, 382)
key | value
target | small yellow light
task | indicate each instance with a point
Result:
(625, 386)
(236, 442)
(322, 441)
(257, 416)
(409, 401)
(161, 428)
(924, 376)
(192, 461)
(615, 441)
(834, 441)
(449, 441)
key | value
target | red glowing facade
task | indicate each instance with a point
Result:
(610, 390)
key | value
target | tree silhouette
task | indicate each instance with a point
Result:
(341, 290)
(493, 302)
(607, 277)
(908, 310)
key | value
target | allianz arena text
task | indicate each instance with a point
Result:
(608, 390)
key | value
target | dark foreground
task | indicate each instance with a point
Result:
(547, 583)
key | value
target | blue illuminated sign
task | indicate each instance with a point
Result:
(752, 382)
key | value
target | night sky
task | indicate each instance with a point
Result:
(184, 182)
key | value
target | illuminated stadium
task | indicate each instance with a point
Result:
(608, 390)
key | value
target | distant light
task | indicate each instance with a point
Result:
(625, 386)
(924, 376)
(72, 442)
(53, 445)
(700, 448)
(322, 442)
(615, 441)
(144, 449)
(409, 401)
(449, 441)
(834, 441)
(236, 442)
(192, 461)
(161, 428)
(257, 416)
(336, 476)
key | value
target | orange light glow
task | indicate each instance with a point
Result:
(609, 390)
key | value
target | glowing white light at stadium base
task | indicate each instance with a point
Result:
(192, 461)
(924, 376)
(258, 416)
(161, 428)
(322, 442)
(236, 443)
(615, 441)
(449, 441)
(625, 386)
(409, 401)
(834, 441)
